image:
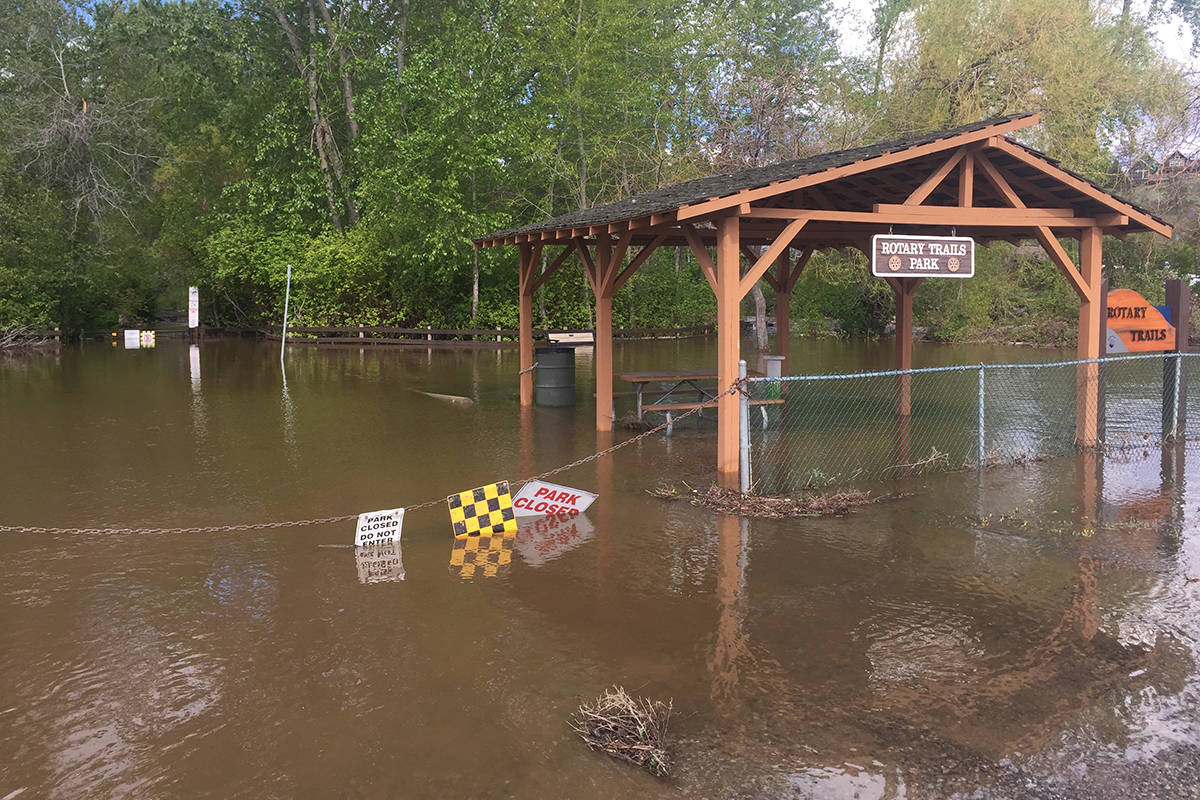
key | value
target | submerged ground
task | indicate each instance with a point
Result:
(1029, 631)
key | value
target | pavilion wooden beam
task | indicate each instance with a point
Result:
(589, 266)
(935, 179)
(701, 254)
(893, 214)
(554, 267)
(1007, 193)
(777, 248)
(1019, 153)
(750, 195)
(637, 262)
(1064, 263)
(966, 181)
(616, 259)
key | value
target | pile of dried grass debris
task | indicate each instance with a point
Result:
(628, 729)
(731, 501)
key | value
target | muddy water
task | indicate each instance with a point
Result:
(1034, 618)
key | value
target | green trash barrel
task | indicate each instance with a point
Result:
(554, 383)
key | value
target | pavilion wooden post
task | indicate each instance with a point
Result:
(729, 334)
(526, 323)
(1091, 333)
(604, 340)
(783, 299)
(783, 282)
(904, 289)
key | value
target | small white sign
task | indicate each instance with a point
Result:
(539, 497)
(133, 340)
(379, 563)
(193, 307)
(378, 526)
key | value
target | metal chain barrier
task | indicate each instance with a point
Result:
(298, 523)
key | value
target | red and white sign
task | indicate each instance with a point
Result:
(193, 307)
(539, 497)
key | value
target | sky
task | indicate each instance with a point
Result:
(855, 24)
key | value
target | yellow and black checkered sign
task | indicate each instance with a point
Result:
(485, 553)
(482, 511)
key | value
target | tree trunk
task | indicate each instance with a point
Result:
(347, 86)
(760, 317)
(305, 62)
(474, 263)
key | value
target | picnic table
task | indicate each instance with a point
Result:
(666, 384)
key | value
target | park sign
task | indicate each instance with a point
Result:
(1135, 326)
(897, 256)
(540, 497)
(376, 527)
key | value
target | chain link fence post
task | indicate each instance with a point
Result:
(743, 428)
(980, 448)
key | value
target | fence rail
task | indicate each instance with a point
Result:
(455, 337)
(853, 429)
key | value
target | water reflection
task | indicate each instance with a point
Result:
(379, 563)
(199, 414)
(544, 538)
(289, 421)
(487, 555)
(1034, 614)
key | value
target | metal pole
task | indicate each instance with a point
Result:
(287, 296)
(744, 427)
(1175, 397)
(980, 449)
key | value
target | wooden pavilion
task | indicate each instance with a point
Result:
(764, 224)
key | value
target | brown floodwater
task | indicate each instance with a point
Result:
(1036, 616)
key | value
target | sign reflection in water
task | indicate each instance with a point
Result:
(542, 539)
(379, 563)
(489, 555)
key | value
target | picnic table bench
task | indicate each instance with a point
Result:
(667, 383)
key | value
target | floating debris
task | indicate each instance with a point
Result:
(457, 400)
(731, 501)
(627, 729)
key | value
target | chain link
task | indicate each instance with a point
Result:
(737, 387)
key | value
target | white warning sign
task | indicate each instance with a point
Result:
(539, 497)
(133, 339)
(378, 526)
(193, 307)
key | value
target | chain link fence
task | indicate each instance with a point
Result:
(817, 431)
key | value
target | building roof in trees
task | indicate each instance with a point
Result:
(854, 180)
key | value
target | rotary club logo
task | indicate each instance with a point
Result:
(894, 263)
(953, 264)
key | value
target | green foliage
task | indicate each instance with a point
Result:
(153, 144)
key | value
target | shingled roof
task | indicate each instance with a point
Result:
(698, 190)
